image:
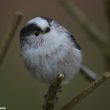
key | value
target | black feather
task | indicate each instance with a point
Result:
(75, 42)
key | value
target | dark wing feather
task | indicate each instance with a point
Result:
(74, 41)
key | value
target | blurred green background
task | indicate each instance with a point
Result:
(18, 90)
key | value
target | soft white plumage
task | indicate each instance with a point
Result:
(50, 52)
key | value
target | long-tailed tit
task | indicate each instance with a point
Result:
(49, 48)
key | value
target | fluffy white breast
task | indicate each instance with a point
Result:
(56, 54)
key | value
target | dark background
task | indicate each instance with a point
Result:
(18, 90)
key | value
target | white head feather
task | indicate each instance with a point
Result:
(39, 22)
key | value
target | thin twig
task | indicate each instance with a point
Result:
(86, 92)
(10, 34)
(95, 33)
(51, 95)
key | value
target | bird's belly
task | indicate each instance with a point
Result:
(46, 67)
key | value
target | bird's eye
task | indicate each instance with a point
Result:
(47, 30)
(36, 33)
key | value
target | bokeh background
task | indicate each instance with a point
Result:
(18, 90)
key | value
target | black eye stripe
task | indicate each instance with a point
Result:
(29, 29)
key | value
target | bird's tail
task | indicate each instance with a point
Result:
(88, 73)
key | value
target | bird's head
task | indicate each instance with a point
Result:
(35, 29)
(43, 29)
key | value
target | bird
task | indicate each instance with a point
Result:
(48, 48)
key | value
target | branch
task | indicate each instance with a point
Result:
(51, 95)
(95, 33)
(86, 92)
(12, 30)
